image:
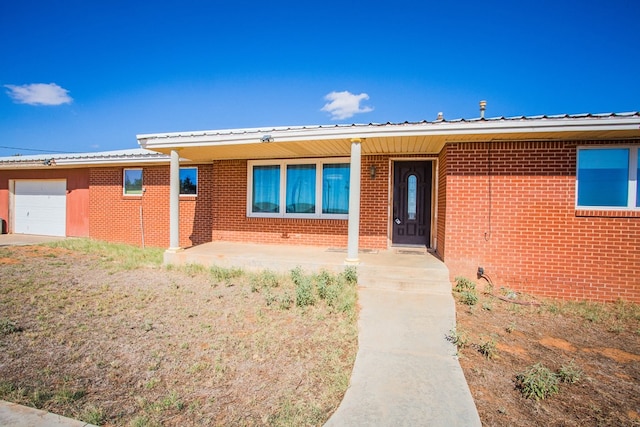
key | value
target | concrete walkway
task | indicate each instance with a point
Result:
(406, 372)
(21, 416)
(26, 239)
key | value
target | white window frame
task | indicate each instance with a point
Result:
(197, 183)
(124, 190)
(632, 178)
(283, 187)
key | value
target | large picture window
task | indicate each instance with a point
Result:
(132, 182)
(188, 181)
(299, 188)
(608, 178)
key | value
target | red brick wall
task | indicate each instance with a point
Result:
(117, 218)
(77, 195)
(510, 208)
(231, 223)
(441, 227)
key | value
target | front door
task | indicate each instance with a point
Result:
(412, 203)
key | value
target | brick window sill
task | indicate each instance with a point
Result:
(608, 213)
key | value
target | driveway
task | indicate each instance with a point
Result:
(26, 239)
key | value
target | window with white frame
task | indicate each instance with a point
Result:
(307, 188)
(607, 177)
(132, 182)
(189, 181)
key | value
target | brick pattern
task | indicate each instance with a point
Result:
(232, 224)
(510, 208)
(441, 225)
(130, 219)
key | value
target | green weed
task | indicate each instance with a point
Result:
(8, 326)
(570, 373)
(459, 338)
(488, 349)
(537, 382)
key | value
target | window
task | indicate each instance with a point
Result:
(132, 182)
(188, 181)
(335, 188)
(299, 188)
(608, 177)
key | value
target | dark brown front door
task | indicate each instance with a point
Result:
(412, 203)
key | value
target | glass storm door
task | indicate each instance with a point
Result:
(412, 203)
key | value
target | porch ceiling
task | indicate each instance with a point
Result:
(393, 139)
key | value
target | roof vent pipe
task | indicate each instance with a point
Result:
(483, 106)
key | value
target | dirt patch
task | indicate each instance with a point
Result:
(558, 343)
(152, 346)
(615, 354)
(602, 340)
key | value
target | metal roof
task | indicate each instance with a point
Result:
(133, 155)
(492, 120)
(388, 138)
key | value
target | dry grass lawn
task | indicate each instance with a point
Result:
(104, 334)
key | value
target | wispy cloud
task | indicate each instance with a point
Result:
(343, 105)
(39, 94)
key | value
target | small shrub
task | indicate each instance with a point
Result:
(488, 349)
(93, 415)
(323, 282)
(286, 301)
(570, 373)
(466, 290)
(469, 297)
(304, 292)
(7, 327)
(510, 328)
(537, 382)
(458, 338)
(266, 279)
(269, 297)
(297, 275)
(464, 284)
(350, 274)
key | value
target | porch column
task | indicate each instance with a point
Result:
(354, 202)
(174, 203)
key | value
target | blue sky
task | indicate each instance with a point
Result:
(79, 76)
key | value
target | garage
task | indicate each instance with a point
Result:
(40, 207)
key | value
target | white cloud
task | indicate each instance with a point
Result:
(39, 94)
(343, 105)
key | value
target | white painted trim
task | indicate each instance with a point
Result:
(197, 181)
(282, 163)
(632, 178)
(314, 133)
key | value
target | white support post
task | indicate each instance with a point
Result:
(354, 202)
(174, 203)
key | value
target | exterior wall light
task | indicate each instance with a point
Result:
(372, 171)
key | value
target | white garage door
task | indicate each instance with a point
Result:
(40, 207)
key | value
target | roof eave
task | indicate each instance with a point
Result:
(441, 129)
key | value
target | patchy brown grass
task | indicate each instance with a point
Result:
(597, 345)
(112, 343)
